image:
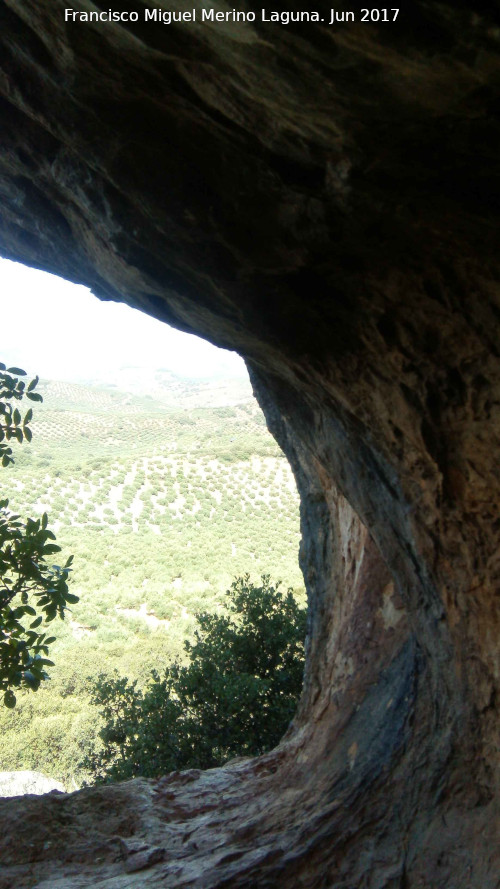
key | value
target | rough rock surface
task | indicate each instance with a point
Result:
(325, 201)
(20, 783)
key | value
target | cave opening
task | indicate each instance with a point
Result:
(152, 460)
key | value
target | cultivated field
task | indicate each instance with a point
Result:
(162, 506)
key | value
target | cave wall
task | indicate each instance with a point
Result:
(325, 201)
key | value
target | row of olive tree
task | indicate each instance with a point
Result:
(235, 697)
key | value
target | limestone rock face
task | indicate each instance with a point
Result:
(325, 201)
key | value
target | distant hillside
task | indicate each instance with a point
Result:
(207, 418)
(167, 388)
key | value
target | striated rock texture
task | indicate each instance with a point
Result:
(325, 201)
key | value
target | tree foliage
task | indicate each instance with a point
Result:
(236, 696)
(32, 591)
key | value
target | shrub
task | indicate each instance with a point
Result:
(236, 696)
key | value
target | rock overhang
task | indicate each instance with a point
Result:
(325, 201)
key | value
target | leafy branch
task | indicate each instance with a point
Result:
(12, 424)
(33, 592)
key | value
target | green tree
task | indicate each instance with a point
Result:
(32, 592)
(235, 697)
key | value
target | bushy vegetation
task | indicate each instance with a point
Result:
(236, 696)
(161, 517)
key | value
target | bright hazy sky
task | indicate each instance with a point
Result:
(60, 331)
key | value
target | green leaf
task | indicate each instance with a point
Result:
(16, 417)
(71, 598)
(27, 433)
(17, 371)
(36, 623)
(28, 417)
(34, 396)
(9, 699)
(33, 384)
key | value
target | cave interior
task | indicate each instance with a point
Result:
(324, 201)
